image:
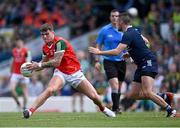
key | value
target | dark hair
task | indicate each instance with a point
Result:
(114, 10)
(125, 18)
(46, 27)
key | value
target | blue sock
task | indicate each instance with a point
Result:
(169, 109)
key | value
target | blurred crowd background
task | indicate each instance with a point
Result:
(158, 20)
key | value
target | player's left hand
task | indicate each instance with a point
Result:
(94, 50)
(33, 66)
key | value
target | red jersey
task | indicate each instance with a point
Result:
(19, 57)
(69, 63)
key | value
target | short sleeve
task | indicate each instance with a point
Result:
(26, 52)
(126, 39)
(100, 37)
(60, 45)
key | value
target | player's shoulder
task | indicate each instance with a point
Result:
(44, 46)
(59, 38)
(106, 27)
(104, 30)
(130, 31)
(134, 29)
(25, 49)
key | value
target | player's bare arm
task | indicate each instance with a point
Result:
(44, 59)
(115, 51)
(97, 64)
(54, 62)
(145, 39)
(35, 65)
(47, 64)
(97, 57)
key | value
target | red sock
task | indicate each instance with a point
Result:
(101, 108)
(32, 110)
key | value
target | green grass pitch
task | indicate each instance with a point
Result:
(131, 119)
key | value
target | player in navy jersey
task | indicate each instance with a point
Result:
(144, 58)
(109, 38)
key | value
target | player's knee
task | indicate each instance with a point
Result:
(12, 89)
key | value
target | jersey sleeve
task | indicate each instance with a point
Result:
(126, 39)
(100, 37)
(26, 52)
(60, 45)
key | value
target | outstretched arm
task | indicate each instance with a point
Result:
(55, 62)
(97, 61)
(115, 51)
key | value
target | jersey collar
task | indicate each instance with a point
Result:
(129, 26)
(116, 29)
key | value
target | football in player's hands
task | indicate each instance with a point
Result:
(24, 71)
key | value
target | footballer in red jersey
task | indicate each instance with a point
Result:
(59, 54)
(20, 55)
(69, 63)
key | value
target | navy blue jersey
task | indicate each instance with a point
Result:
(136, 46)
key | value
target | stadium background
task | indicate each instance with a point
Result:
(79, 21)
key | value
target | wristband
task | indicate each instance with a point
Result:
(40, 64)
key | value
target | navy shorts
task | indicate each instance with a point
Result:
(148, 67)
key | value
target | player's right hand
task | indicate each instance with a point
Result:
(33, 66)
(94, 50)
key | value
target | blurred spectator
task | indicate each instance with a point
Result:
(102, 88)
(35, 87)
(145, 105)
(173, 78)
(81, 55)
(4, 88)
(25, 17)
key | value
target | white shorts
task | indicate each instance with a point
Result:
(19, 78)
(73, 79)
